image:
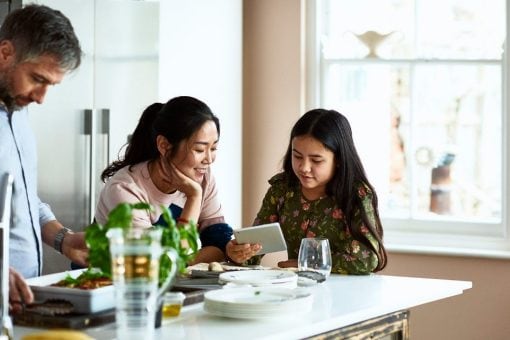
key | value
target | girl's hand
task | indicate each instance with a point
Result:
(240, 253)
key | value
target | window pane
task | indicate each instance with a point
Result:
(442, 134)
(426, 106)
(455, 144)
(371, 97)
(471, 29)
(451, 29)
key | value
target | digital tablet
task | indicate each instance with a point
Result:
(269, 236)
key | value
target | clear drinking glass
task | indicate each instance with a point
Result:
(315, 255)
(135, 270)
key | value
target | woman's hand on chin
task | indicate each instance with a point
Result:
(184, 183)
(175, 179)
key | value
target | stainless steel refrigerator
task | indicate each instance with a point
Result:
(85, 120)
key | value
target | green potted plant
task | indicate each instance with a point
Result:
(183, 239)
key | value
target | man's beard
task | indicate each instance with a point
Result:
(5, 94)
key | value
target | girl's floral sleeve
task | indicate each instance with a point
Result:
(355, 257)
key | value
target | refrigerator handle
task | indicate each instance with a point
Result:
(90, 122)
(105, 130)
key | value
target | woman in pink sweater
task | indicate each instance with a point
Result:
(167, 162)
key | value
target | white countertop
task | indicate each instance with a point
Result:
(340, 301)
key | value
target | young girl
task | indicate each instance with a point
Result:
(322, 192)
(167, 162)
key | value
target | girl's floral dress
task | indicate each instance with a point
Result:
(301, 218)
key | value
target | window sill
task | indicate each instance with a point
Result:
(448, 251)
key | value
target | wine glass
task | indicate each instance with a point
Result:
(315, 255)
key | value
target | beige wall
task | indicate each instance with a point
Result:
(271, 92)
(273, 79)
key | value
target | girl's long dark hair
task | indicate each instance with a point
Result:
(333, 130)
(177, 120)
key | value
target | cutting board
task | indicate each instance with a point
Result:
(79, 321)
(73, 321)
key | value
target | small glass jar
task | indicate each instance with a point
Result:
(172, 304)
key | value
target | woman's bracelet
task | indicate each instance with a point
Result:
(182, 220)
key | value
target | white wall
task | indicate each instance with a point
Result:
(201, 56)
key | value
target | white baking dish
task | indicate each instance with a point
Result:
(84, 301)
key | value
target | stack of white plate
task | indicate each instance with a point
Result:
(257, 302)
(260, 278)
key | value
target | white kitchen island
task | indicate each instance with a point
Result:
(341, 301)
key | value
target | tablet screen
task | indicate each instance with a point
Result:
(268, 235)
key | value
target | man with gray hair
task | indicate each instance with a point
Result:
(38, 47)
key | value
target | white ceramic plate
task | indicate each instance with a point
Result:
(257, 302)
(84, 301)
(259, 278)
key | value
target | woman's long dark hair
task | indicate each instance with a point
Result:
(333, 130)
(177, 120)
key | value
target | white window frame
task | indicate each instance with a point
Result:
(441, 236)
